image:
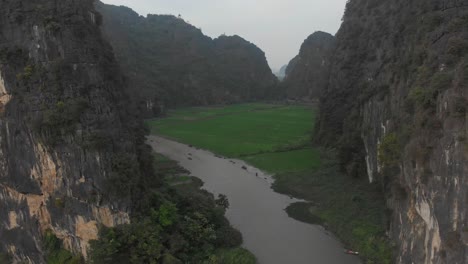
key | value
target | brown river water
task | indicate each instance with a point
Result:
(256, 210)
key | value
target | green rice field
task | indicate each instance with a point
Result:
(271, 137)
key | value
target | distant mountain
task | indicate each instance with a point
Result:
(171, 63)
(307, 74)
(281, 73)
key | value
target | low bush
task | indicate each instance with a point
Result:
(55, 253)
(5, 258)
(389, 150)
(457, 46)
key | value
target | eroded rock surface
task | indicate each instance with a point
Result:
(307, 74)
(64, 122)
(395, 106)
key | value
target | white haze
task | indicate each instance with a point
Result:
(278, 27)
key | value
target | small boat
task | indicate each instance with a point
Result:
(350, 252)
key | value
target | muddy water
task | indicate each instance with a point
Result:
(256, 210)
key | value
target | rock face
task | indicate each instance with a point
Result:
(64, 128)
(171, 63)
(395, 106)
(307, 74)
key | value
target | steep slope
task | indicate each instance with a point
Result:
(241, 69)
(307, 73)
(68, 143)
(171, 63)
(395, 106)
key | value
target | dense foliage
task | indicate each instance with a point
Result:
(54, 252)
(179, 224)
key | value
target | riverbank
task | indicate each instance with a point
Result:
(351, 208)
(255, 209)
(276, 140)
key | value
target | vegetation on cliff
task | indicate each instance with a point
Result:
(396, 111)
(178, 223)
(169, 62)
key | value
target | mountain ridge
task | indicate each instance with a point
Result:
(171, 63)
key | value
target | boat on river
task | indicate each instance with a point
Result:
(350, 252)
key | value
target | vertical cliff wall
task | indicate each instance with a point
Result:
(65, 129)
(307, 74)
(396, 108)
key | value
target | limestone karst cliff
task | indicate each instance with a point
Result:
(307, 74)
(395, 107)
(66, 129)
(169, 62)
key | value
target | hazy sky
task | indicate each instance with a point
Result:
(278, 27)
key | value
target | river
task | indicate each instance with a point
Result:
(256, 210)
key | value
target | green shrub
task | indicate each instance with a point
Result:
(460, 106)
(60, 119)
(188, 229)
(441, 81)
(124, 176)
(136, 243)
(422, 97)
(55, 254)
(228, 237)
(433, 20)
(457, 46)
(457, 24)
(59, 203)
(424, 73)
(27, 73)
(51, 24)
(166, 215)
(222, 201)
(3, 55)
(465, 72)
(427, 97)
(232, 256)
(389, 150)
(5, 258)
(97, 140)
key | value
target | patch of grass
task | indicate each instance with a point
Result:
(5, 258)
(175, 180)
(351, 208)
(193, 113)
(233, 256)
(158, 158)
(389, 151)
(305, 212)
(169, 168)
(55, 254)
(281, 162)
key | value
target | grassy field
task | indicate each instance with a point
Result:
(234, 256)
(277, 139)
(274, 138)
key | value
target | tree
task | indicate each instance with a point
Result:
(222, 201)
